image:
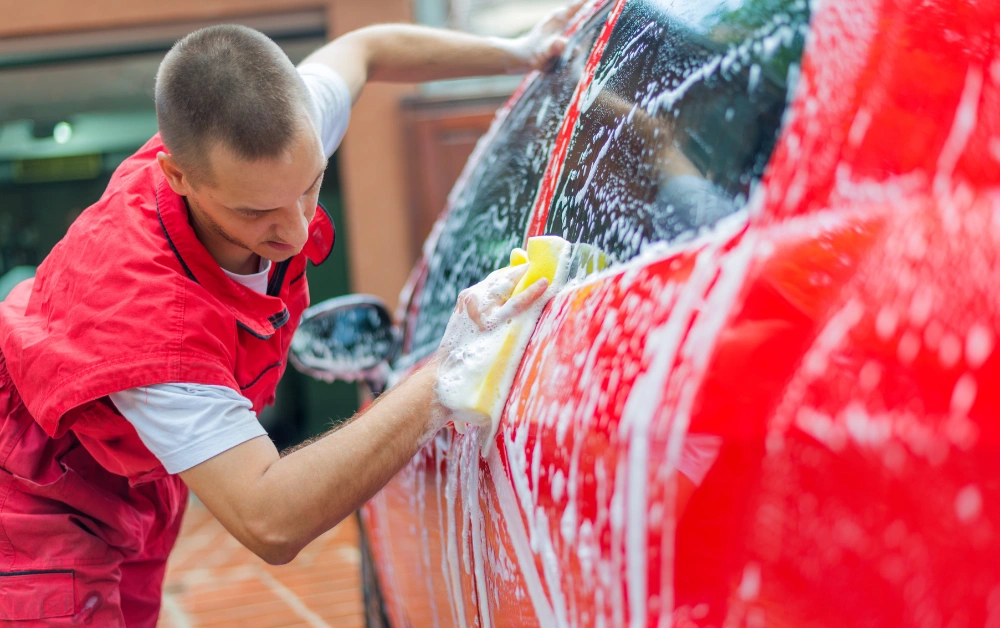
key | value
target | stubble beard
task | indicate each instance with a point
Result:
(207, 221)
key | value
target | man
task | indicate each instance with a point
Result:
(132, 367)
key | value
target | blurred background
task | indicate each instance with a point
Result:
(76, 99)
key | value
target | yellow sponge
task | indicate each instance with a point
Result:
(476, 388)
(544, 257)
(548, 257)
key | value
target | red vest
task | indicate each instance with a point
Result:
(131, 298)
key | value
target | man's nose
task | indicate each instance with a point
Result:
(294, 229)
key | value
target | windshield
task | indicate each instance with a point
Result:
(680, 120)
(490, 214)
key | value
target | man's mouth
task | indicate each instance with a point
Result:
(281, 246)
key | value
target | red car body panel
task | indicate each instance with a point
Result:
(840, 340)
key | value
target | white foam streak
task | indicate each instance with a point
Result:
(669, 98)
(451, 551)
(961, 130)
(473, 515)
(519, 538)
(440, 453)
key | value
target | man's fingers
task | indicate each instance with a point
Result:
(491, 300)
(525, 300)
(512, 273)
(568, 12)
(504, 281)
(476, 315)
(555, 50)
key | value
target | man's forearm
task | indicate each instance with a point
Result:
(277, 505)
(411, 54)
(316, 487)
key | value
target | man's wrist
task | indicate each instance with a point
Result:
(437, 416)
(516, 53)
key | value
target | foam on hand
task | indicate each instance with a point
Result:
(477, 367)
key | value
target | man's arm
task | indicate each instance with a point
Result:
(412, 54)
(276, 505)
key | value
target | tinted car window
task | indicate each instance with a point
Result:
(490, 216)
(680, 121)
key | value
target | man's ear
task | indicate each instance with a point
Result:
(177, 178)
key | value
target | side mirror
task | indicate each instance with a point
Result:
(347, 338)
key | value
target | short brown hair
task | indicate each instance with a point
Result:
(228, 84)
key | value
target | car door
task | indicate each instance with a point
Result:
(664, 149)
(567, 522)
(774, 407)
(833, 342)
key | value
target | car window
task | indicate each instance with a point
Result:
(680, 120)
(490, 215)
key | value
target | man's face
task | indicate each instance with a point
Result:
(261, 207)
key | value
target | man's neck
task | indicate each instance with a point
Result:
(248, 267)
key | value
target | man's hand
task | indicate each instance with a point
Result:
(540, 48)
(478, 335)
(488, 304)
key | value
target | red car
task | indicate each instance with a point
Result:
(780, 404)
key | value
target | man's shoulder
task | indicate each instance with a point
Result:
(130, 197)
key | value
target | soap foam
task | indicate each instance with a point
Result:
(469, 355)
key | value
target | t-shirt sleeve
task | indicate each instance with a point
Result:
(184, 425)
(331, 99)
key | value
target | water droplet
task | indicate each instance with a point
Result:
(750, 584)
(963, 395)
(886, 323)
(909, 347)
(978, 345)
(870, 376)
(921, 306)
(968, 504)
(951, 350)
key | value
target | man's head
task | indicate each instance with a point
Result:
(235, 117)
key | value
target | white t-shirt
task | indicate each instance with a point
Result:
(331, 99)
(184, 425)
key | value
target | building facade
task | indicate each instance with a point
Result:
(93, 63)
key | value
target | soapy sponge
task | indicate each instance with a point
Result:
(548, 257)
(475, 386)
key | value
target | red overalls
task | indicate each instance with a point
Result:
(128, 298)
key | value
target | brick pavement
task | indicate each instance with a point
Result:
(212, 580)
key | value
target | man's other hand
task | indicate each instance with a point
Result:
(545, 43)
